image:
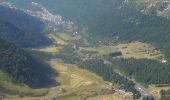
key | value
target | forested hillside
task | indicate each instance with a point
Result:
(18, 30)
(23, 68)
(22, 29)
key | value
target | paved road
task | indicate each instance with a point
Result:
(144, 92)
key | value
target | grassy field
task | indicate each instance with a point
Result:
(3, 76)
(18, 90)
(57, 40)
(116, 96)
(63, 38)
(134, 49)
(49, 49)
(102, 50)
(139, 50)
(69, 37)
(156, 90)
(76, 84)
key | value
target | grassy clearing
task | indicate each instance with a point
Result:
(69, 37)
(156, 90)
(63, 38)
(3, 76)
(102, 50)
(57, 40)
(139, 50)
(116, 96)
(17, 90)
(50, 49)
(77, 84)
(11, 88)
(135, 49)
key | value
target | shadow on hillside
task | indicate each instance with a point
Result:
(43, 76)
(49, 81)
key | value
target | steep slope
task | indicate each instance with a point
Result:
(21, 67)
(18, 27)
(13, 34)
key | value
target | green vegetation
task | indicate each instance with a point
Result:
(22, 29)
(18, 90)
(144, 71)
(165, 94)
(108, 21)
(127, 22)
(21, 67)
(139, 50)
(165, 98)
(3, 76)
(18, 68)
(78, 84)
(107, 72)
(14, 75)
(156, 90)
(102, 18)
(102, 50)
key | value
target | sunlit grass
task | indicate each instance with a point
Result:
(139, 50)
(156, 90)
(102, 50)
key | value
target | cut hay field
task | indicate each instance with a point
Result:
(156, 90)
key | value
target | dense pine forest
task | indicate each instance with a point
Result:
(23, 68)
(144, 71)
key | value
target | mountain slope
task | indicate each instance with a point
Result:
(21, 67)
(157, 7)
(20, 28)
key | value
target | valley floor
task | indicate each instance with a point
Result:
(77, 84)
